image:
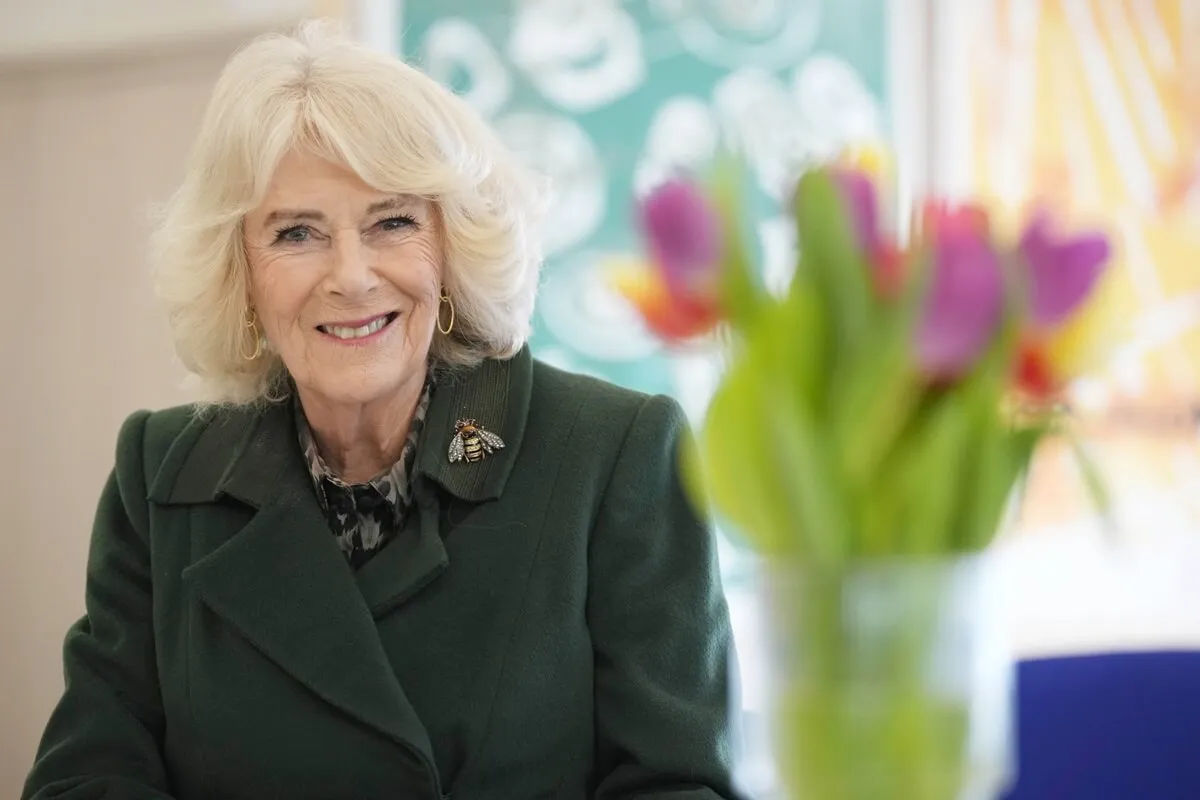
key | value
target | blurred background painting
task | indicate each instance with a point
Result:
(610, 97)
(1095, 105)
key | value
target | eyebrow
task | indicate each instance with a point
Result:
(295, 214)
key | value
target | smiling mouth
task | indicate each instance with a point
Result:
(359, 331)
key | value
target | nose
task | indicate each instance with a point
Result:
(352, 267)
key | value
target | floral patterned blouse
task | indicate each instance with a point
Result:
(365, 516)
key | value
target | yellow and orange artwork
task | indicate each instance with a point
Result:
(1094, 105)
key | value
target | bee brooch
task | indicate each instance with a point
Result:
(472, 442)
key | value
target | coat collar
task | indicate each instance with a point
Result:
(496, 393)
(242, 453)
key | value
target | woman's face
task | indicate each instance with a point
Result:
(345, 280)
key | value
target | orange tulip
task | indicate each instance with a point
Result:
(671, 317)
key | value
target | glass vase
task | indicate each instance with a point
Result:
(887, 680)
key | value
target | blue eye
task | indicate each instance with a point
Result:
(293, 233)
(396, 223)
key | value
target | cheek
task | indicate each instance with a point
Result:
(277, 290)
(419, 273)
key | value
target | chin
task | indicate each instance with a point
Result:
(358, 389)
(362, 384)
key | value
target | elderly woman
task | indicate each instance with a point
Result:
(395, 557)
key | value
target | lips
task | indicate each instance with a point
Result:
(358, 329)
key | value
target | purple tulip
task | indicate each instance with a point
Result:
(965, 301)
(683, 233)
(862, 203)
(1062, 270)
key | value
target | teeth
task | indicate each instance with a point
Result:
(342, 332)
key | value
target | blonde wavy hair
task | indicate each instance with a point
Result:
(400, 132)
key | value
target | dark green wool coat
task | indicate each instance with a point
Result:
(549, 624)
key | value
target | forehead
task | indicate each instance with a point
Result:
(307, 180)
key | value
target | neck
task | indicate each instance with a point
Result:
(362, 440)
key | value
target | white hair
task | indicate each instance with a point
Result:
(401, 132)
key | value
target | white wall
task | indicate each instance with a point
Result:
(96, 116)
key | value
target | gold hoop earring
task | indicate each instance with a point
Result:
(446, 330)
(251, 323)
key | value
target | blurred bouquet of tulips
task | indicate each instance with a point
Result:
(887, 404)
(870, 428)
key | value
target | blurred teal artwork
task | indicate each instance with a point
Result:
(609, 98)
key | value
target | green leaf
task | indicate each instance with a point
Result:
(873, 396)
(875, 393)
(730, 455)
(767, 464)
(933, 480)
(987, 483)
(831, 256)
(1000, 455)
(786, 338)
(741, 294)
(810, 501)
(880, 510)
(796, 332)
(1000, 460)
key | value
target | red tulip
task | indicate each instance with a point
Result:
(889, 273)
(940, 217)
(1034, 374)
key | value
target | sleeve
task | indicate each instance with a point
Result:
(104, 737)
(659, 625)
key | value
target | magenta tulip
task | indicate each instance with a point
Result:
(965, 301)
(1062, 270)
(683, 234)
(862, 204)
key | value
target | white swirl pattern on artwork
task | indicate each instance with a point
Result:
(453, 43)
(777, 236)
(683, 136)
(759, 120)
(779, 129)
(835, 104)
(583, 313)
(579, 54)
(559, 147)
(771, 34)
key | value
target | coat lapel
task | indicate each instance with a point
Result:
(497, 395)
(282, 582)
(407, 565)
